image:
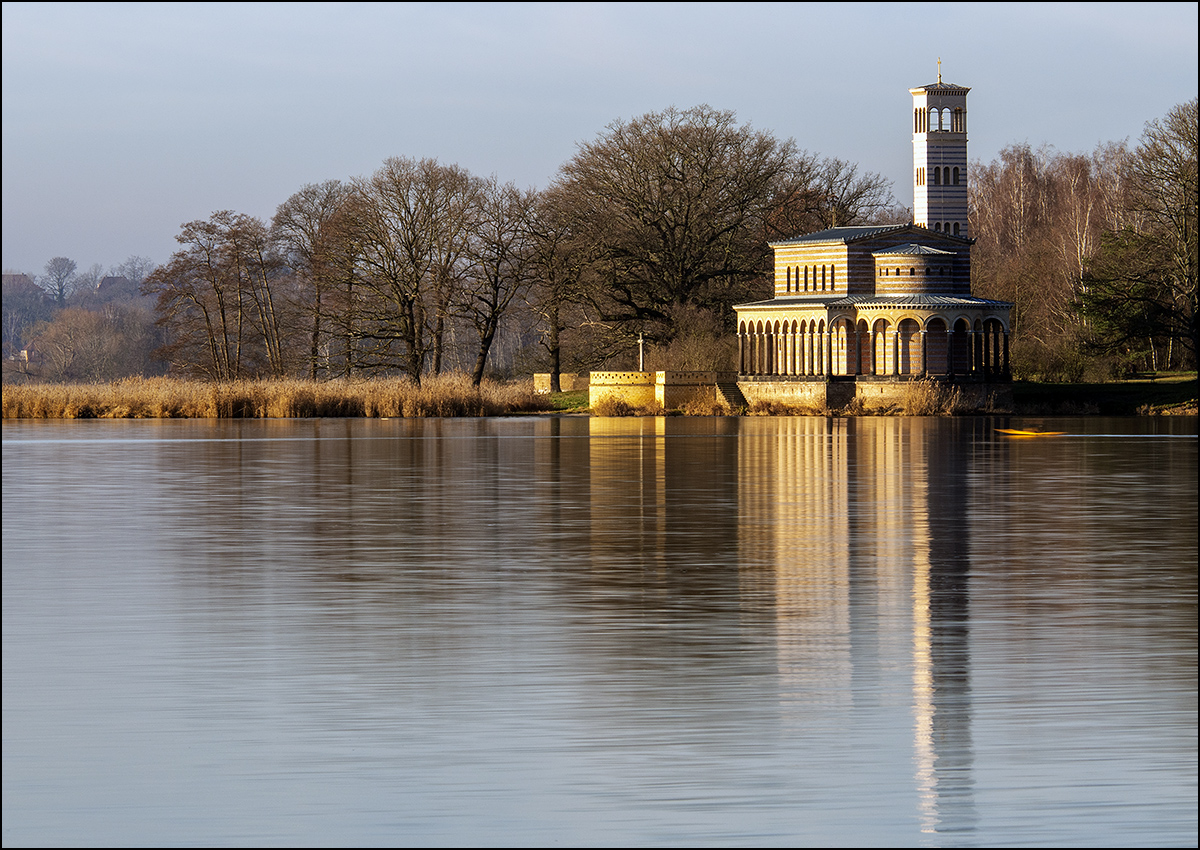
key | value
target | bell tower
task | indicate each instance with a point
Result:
(940, 156)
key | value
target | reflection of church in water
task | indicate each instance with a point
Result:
(868, 531)
(857, 306)
(851, 534)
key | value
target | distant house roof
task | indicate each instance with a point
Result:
(17, 279)
(112, 282)
(21, 283)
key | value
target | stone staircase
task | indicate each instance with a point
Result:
(729, 392)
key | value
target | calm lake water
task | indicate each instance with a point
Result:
(573, 631)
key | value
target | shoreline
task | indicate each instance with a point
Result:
(454, 396)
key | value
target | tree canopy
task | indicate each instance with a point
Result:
(1139, 290)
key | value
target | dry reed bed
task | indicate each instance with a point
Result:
(173, 398)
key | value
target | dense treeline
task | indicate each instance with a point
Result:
(651, 231)
(655, 229)
(1096, 251)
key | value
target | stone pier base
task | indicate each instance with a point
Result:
(671, 390)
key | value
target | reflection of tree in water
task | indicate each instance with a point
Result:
(707, 576)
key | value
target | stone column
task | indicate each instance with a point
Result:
(924, 353)
(896, 351)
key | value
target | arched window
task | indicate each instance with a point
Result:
(822, 277)
(960, 121)
(946, 176)
(937, 174)
(956, 228)
(955, 176)
(933, 120)
(832, 272)
(789, 279)
(937, 225)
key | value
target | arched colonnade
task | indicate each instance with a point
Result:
(843, 345)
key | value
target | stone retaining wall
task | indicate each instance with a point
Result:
(674, 390)
(567, 381)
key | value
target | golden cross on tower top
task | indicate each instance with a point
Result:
(939, 70)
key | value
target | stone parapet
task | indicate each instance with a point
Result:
(669, 389)
(636, 389)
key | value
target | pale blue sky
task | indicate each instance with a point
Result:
(122, 121)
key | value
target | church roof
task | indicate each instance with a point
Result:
(939, 86)
(930, 301)
(918, 301)
(911, 249)
(857, 234)
(841, 234)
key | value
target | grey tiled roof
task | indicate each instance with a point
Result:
(911, 249)
(920, 301)
(841, 234)
(939, 86)
(932, 301)
(855, 234)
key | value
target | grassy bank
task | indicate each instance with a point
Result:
(171, 398)
(1152, 395)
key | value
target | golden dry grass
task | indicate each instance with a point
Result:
(172, 398)
(930, 398)
(768, 407)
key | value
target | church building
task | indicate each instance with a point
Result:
(863, 307)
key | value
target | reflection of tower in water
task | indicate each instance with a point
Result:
(941, 638)
(864, 525)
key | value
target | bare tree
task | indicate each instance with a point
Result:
(837, 195)
(306, 229)
(216, 299)
(411, 222)
(259, 266)
(135, 269)
(25, 305)
(675, 202)
(501, 263)
(59, 279)
(88, 281)
(97, 345)
(561, 259)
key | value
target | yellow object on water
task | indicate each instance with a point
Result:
(1015, 432)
